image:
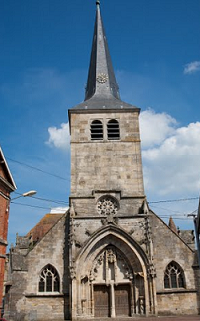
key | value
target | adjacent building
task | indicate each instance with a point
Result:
(109, 255)
(7, 185)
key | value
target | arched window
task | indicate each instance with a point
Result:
(49, 279)
(174, 277)
(113, 129)
(96, 129)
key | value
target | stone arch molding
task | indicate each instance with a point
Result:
(113, 259)
(112, 236)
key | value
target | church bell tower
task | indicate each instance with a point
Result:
(107, 267)
(105, 138)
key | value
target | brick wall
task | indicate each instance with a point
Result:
(4, 213)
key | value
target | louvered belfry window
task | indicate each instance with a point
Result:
(96, 129)
(113, 130)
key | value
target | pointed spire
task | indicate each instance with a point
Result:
(101, 78)
(144, 208)
(72, 210)
(172, 225)
(102, 91)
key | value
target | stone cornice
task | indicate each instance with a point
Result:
(7, 184)
(176, 291)
(4, 196)
(3, 242)
(43, 295)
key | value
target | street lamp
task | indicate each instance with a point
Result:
(27, 194)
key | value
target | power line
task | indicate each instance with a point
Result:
(167, 209)
(45, 199)
(48, 200)
(176, 218)
(37, 169)
(28, 205)
(66, 179)
(154, 202)
(175, 200)
(151, 202)
(161, 216)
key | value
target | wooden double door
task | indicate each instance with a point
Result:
(105, 301)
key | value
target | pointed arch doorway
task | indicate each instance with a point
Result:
(111, 278)
(116, 289)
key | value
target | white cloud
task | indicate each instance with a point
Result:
(171, 154)
(192, 67)
(173, 166)
(59, 210)
(59, 137)
(155, 127)
(154, 130)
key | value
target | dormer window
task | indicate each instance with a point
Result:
(113, 130)
(96, 129)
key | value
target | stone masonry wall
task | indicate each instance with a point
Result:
(28, 304)
(106, 165)
(84, 228)
(177, 303)
(88, 206)
(169, 247)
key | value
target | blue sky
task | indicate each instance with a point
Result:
(44, 59)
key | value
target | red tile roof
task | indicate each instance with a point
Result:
(45, 224)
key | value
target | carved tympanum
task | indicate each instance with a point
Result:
(111, 265)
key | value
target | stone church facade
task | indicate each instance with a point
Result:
(110, 255)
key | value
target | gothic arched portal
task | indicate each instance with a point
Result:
(111, 277)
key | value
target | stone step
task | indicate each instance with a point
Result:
(143, 318)
(136, 318)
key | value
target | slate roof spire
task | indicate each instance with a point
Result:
(101, 77)
(102, 91)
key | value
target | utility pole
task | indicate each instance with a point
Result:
(196, 220)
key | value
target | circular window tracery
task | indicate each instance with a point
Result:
(107, 206)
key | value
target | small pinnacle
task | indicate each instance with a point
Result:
(98, 2)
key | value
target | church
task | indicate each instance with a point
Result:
(109, 255)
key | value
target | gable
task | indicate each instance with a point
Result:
(5, 174)
(165, 237)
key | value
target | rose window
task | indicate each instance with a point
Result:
(107, 206)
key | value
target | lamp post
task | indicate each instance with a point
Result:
(27, 194)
